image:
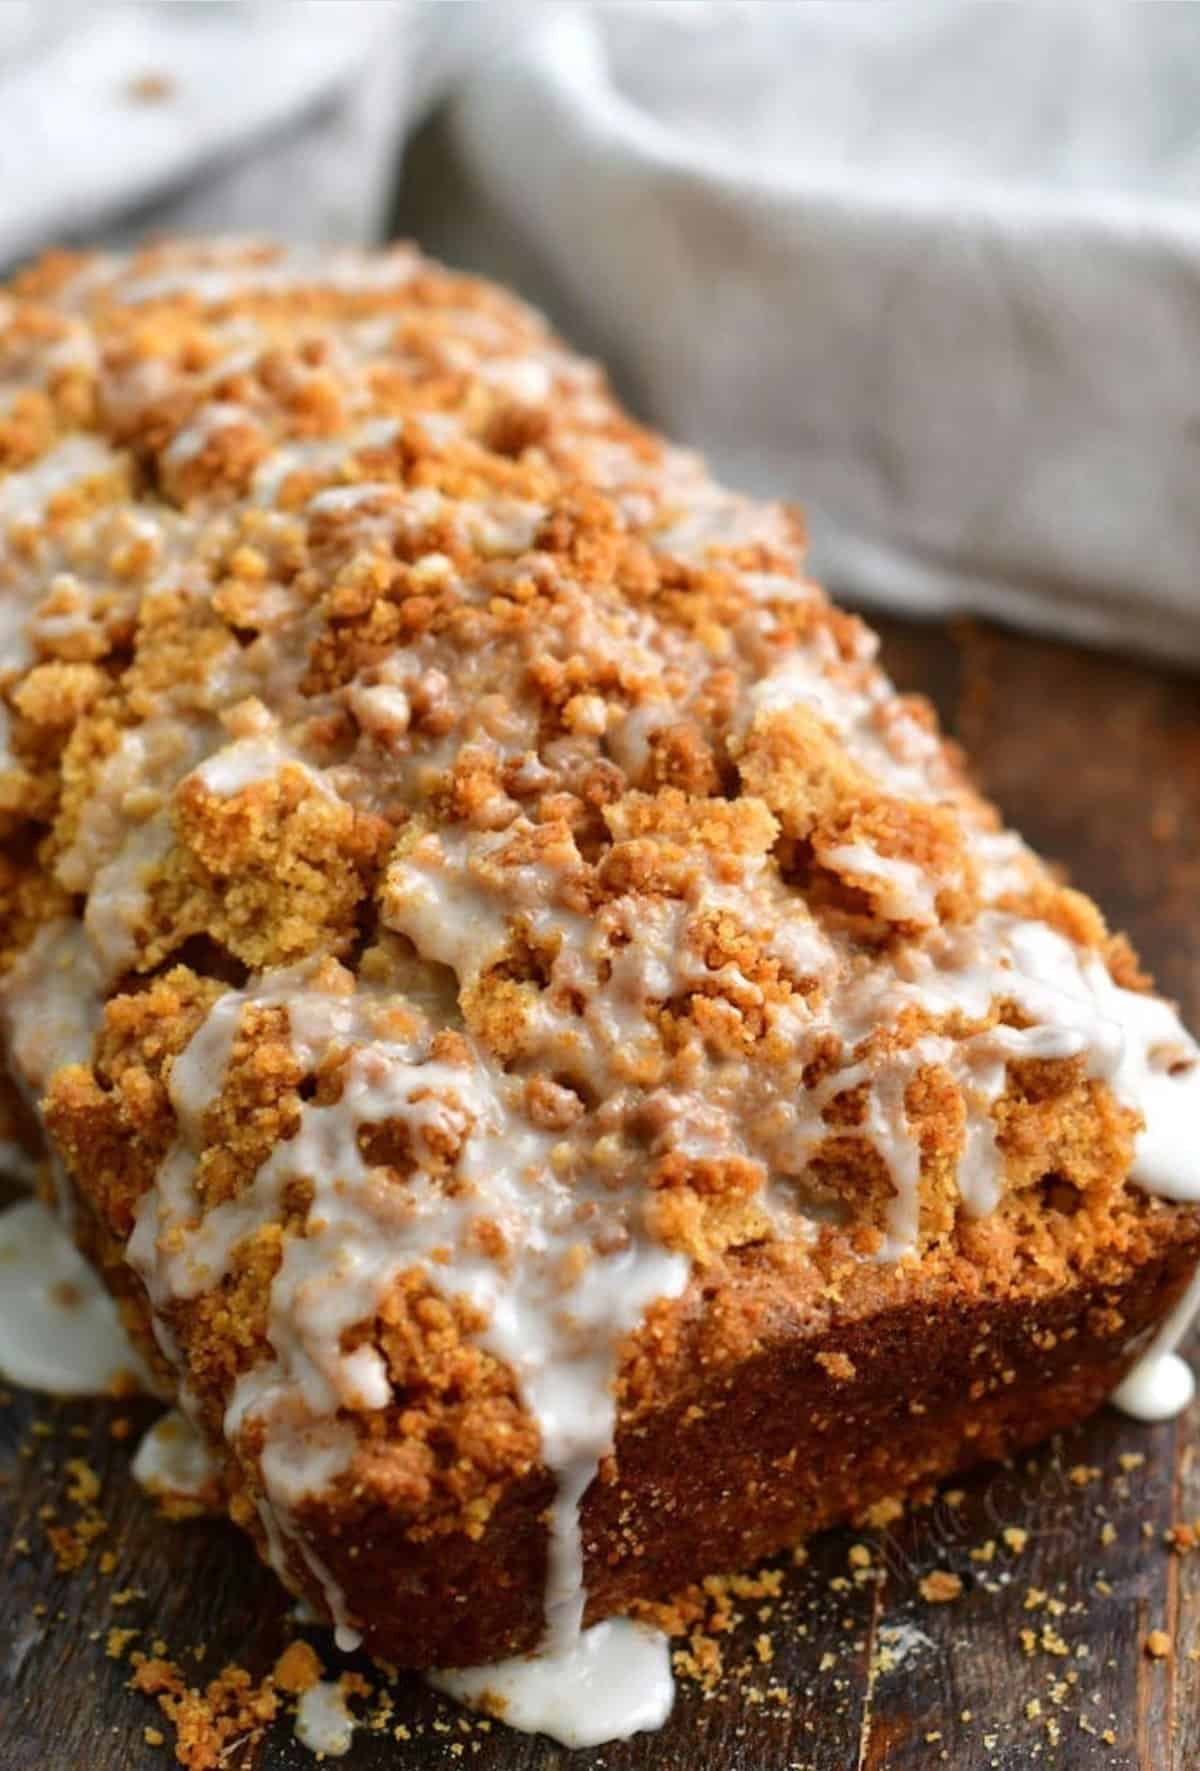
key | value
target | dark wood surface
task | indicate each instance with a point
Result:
(1098, 761)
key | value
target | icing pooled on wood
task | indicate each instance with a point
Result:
(324, 1723)
(609, 1682)
(59, 1327)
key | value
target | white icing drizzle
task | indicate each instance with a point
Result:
(24, 498)
(559, 1333)
(213, 275)
(528, 379)
(558, 1308)
(246, 762)
(1128, 1041)
(186, 443)
(116, 905)
(907, 894)
(125, 830)
(1160, 1384)
(59, 1326)
(50, 1005)
(25, 493)
(319, 455)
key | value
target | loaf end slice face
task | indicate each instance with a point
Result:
(566, 1076)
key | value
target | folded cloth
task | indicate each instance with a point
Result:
(930, 270)
(933, 271)
(124, 119)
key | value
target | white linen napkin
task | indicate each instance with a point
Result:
(933, 271)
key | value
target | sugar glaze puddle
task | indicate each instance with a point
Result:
(59, 1326)
(609, 1682)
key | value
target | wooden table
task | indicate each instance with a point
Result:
(1098, 762)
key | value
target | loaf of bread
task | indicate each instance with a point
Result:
(570, 1083)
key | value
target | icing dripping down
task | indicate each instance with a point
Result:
(557, 1327)
(1161, 1384)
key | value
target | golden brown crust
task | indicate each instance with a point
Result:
(768, 1414)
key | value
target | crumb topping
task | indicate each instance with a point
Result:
(461, 877)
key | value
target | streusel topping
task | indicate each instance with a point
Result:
(461, 879)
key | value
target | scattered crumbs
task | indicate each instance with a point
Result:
(940, 1587)
(298, 1668)
(83, 1485)
(884, 1513)
(230, 1712)
(71, 1543)
(214, 1724)
(837, 1366)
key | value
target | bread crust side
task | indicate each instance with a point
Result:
(834, 1409)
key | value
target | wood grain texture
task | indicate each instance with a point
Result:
(1098, 762)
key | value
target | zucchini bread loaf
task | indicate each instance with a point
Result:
(570, 1084)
